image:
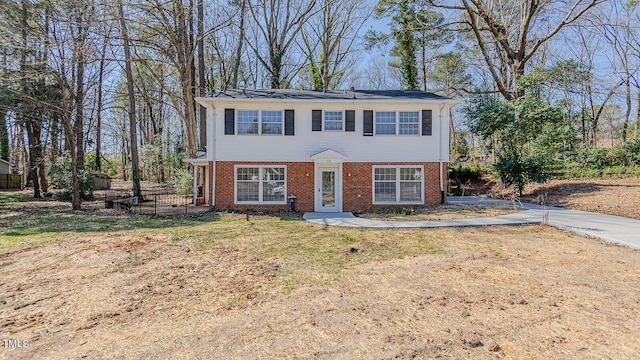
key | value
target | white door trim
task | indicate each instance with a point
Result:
(337, 167)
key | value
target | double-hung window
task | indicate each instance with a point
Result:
(333, 120)
(260, 122)
(408, 123)
(260, 184)
(398, 185)
(397, 123)
(385, 123)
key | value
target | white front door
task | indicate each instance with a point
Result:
(328, 189)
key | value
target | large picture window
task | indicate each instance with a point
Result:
(397, 123)
(260, 184)
(398, 185)
(264, 122)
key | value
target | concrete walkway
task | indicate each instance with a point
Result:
(607, 227)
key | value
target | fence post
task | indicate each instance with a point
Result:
(185, 205)
(155, 204)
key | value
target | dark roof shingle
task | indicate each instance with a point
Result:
(292, 94)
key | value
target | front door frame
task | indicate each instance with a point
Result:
(337, 167)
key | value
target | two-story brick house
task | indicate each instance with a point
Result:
(334, 150)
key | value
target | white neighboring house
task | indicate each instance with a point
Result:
(5, 167)
(333, 150)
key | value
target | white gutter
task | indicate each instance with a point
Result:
(440, 157)
(210, 101)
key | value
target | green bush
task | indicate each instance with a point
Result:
(62, 178)
(183, 182)
(632, 151)
(463, 173)
(521, 168)
(90, 159)
(404, 211)
(601, 158)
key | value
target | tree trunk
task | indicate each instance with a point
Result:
(4, 136)
(54, 130)
(627, 115)
(99, 111)
(135, 177)
(4, 131)
(236, 65)
(32, 177)
(201, 79)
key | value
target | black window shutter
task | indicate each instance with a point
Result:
(316, 120)
(350, 120)
(289, 122)
(367, 128)
(229, 121)
(427, 122)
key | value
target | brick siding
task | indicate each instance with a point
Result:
(356, 185)
(298, 183)
(357, 180)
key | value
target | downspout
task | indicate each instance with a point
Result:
(211, 155)
(440, 156)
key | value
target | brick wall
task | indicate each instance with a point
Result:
(298, 183)
(357, 183)
(356, 180)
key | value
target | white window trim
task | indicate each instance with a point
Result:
(397, 123)
(260, 185)
(259, 122)
(343, 120)
(397, 202)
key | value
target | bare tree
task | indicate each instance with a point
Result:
(241, 38)
(278, 23)
(201, 71)
(509, 33)
(617, 26)
(329, 38)
(135, 177)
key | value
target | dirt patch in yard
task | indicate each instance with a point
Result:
(439, 212)
(613, 196)
(278, 288)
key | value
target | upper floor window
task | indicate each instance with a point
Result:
(408, 123)
(397, 123)
(385, 123)
(333, 120)
(264, 122)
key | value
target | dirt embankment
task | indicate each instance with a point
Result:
(613, 196)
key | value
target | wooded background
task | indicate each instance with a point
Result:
(91, 85)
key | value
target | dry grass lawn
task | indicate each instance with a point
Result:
(439, 212)
(97, 284)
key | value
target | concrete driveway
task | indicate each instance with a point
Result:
(607, 227)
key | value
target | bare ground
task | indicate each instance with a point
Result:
(231, 288)
(225, 287)
(613, 196)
